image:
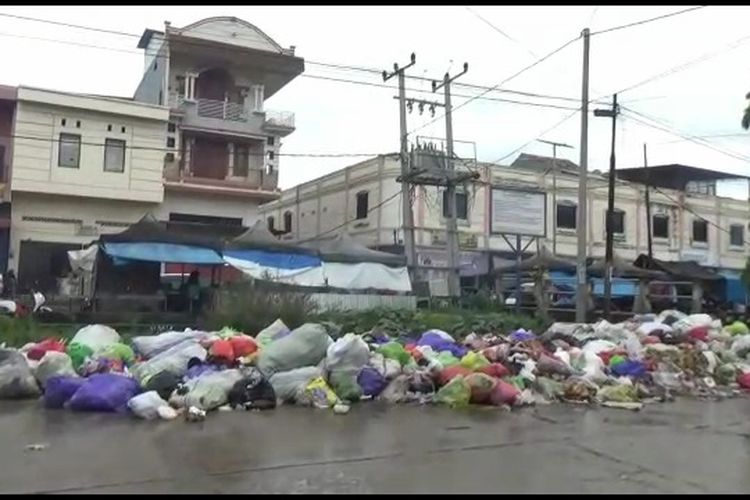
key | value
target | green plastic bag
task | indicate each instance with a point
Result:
(78, 354)
(737, 328)
(456, 393)
(618, 393)
(447, 359)
(518, 381)
(394, 350)
(345, 386)
(616, 360)
(118, 351)
(474, 361)
(725, 374)
(228, 332)
(549, 388)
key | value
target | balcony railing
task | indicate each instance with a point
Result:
(222, 110)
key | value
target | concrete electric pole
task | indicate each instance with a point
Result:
(554, 145)
(581, 284)
(454, 283)
(609, 223)
(406, 209)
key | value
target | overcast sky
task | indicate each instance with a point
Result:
(705, 98)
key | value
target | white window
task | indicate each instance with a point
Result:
(69, 151)
(462, 205)
(114, 155)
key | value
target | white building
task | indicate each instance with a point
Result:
(364, 200)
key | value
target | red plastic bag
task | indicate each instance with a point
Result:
(504, 394)
(650, 339)
(222, 350)
(482, 386)
(447, 374)
(242, 345)
(744, 380)
(49, 344)
(699, 333)
(495, 370)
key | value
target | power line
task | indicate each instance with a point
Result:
(518, 73)
(503, 33)
(553, 127)
(644, 21)
(154, 53)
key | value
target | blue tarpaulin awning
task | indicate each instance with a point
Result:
(162, 252)
(279, 260)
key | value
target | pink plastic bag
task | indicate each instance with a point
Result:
(504, 394)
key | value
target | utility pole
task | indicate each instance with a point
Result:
(609, 223)
(648, 206)
(454, 283)
(406, 210)
(581, 285)
(554, 145)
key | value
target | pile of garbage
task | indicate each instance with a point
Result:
(648, 358)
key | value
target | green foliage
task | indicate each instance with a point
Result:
(250, 309)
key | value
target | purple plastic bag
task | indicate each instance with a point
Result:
(106, 392)
(522, 335)
(629, 368)
(200, 370)
(371, 381)
(439, 344)
(58, 390)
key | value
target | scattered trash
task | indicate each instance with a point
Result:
(195, 415)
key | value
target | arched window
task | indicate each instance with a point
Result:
(270, 221)
(287, 222)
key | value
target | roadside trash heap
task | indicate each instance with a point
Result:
(648, 358)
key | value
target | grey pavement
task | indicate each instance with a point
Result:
(687, 446)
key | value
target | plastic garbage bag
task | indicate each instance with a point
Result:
(53, 364)
(741, 345)
(304, 346)
(146, 405)
(579, 389)
(522, 335)
(252, 392)
(38, 350)
(78, 353)
(421, 382)
(243, 345)
(633, 346)
(222, 352)
(348, 355)
(456, 393)
(211, 390)
(504, 394)
(619, 393)
(668, 380)
(550, 389)
(725, 374)
(593, 368)
(743, 379)
(16, 379)
(117, 351)
(318, 394)
(272, 332)
(440, 343)
(496, 370)
(629, 368)
(737, 328)
(446, 359)
(395, 351)
(473, 361)
(575, 334)
(59, 389)
(616, 360)
(388, 368)
(151, 345)
(163, 383)
(548, 365)
(397, 390)
(449, 373)
(96, 337)
(105, 392)
(608, 331)
(440, 333)
(175, 360)
(652, 328)
(371, 381)
(685, 324)
(670, 316)
(481, 387)
(288, 384)
(597, 346)
(345, 385)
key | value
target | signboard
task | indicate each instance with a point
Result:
(515, 211)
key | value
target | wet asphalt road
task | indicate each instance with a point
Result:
(682, 447)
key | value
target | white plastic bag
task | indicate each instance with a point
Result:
(146, 405)
(269, 333)
(96, 337)
(304, 346)
(287, 384)
(52, 364)
(388, 368)
(646, 329)
(347, 355)
(210, 391)
(16, 379)
(151, 345)
(597, 346)
(174, 360)
(593, 368)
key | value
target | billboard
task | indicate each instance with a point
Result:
(518, 211)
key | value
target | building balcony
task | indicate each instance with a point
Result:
(258, 183)
(231, 117)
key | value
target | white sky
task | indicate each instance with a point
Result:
(705, 99)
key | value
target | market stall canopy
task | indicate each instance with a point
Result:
(258, 237)
(542, 260)
(687, 270)
(162, 252)
(345, 249)
(150, 230)
(622, 268)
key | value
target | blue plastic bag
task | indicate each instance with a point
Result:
(107, 392)
(440, 344)
(371, 381)
(58, 390)
(629, 368)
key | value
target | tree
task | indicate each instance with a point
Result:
(746, 115)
